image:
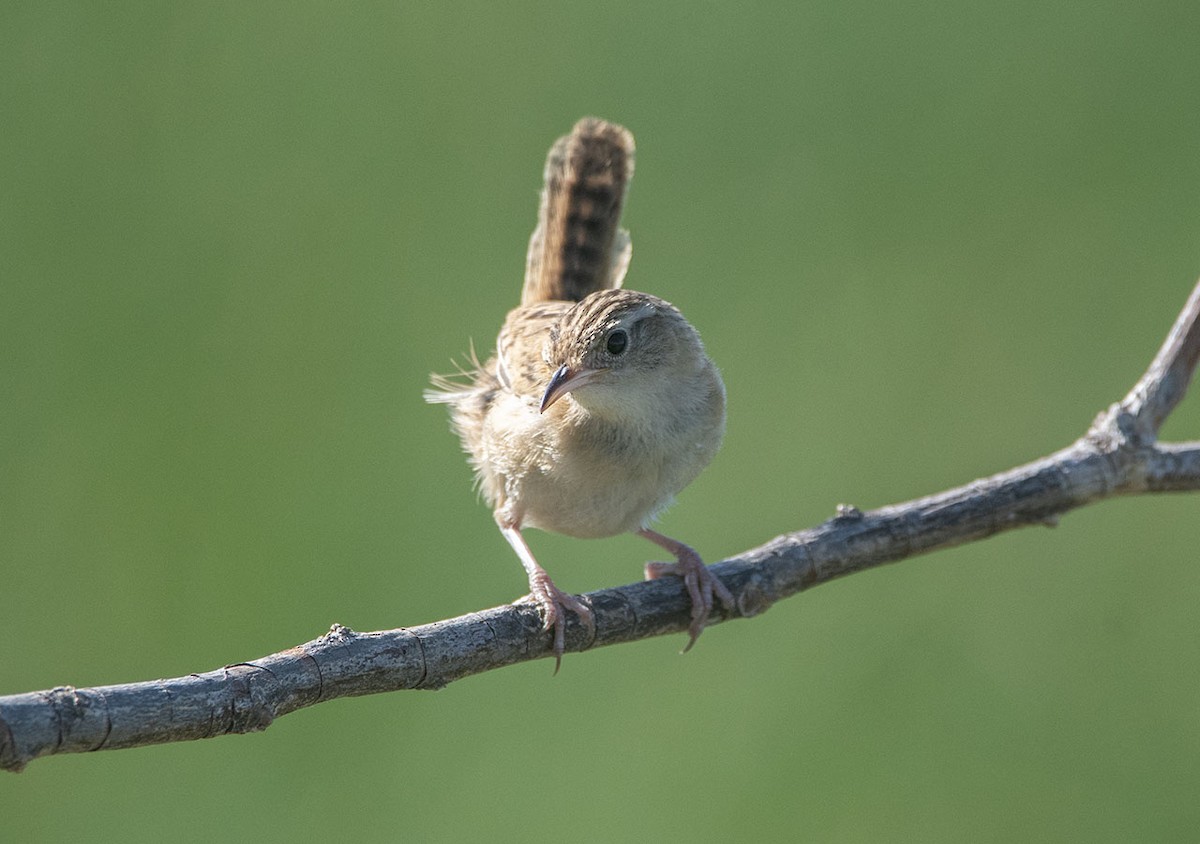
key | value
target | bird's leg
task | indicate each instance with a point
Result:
(552, 601)
(701, 584)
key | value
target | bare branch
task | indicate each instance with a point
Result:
(1166, 380)
(1174, 467)
(1117, 456)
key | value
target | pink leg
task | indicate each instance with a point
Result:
(552, 600)
(700, 583)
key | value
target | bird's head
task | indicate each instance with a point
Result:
(620, 347)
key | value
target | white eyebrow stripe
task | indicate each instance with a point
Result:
(645, 309)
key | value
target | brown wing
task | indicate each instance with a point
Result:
(577, 247)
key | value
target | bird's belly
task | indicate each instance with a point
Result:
(589, 480)
(590, 501)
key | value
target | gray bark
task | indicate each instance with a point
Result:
(1118, 455)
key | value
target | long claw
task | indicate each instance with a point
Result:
(553, 602)
(701, 584)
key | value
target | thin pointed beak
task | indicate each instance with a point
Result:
(563, 381)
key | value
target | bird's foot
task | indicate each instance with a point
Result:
(554, 604)
(700, 582)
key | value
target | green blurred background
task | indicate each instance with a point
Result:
(925, 242)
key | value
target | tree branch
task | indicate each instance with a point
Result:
(1119, 455)
(1162, 387)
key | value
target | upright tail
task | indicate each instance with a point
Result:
(577, 247)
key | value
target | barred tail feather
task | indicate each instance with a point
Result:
(577, 247)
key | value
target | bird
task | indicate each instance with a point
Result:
(600, 404)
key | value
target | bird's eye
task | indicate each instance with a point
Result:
(617, 341)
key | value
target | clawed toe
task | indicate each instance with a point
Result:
(552, 601)
(701, 584)
(554, 604)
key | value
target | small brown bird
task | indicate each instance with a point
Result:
(600, 404)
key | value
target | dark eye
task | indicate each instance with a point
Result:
(617, 341)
